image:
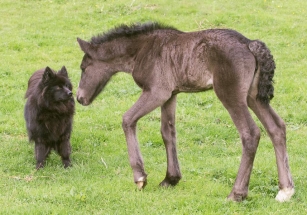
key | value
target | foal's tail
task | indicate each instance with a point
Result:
(267, 66)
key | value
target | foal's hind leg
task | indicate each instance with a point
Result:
(250, 135)
(168, 132)
(276, 129)
(148, 101)
(235, 102)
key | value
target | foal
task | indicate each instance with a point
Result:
(164, 61)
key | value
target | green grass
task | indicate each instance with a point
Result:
(35, 34)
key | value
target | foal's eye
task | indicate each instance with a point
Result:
(82, 68)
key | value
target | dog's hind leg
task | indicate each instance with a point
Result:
(41, 153)
(64, 150)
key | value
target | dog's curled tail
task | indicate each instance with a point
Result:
(267, 66)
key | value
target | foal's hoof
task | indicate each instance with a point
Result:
(141, 183)
(235, 197)
(285, 194)
(169, 182)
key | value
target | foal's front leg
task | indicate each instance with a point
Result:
(168, 131)
(148, 101)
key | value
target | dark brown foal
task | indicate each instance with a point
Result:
(163, 62)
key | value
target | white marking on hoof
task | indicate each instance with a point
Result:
(140, 183)
(285, 194)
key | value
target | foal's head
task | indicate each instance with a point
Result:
(109, 53)
(95, 73)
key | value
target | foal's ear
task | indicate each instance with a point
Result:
(86, 47)
(48, 74)
(63, 72)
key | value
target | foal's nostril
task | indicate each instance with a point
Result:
(80, 100)
(70, 93)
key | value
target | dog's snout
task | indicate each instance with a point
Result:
(68, 92)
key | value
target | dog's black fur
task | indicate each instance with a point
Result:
(49, 114)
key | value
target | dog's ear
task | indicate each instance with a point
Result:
(48, 75)
(63, 72)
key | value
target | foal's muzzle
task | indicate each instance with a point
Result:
(81, 99)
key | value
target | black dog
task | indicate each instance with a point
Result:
(49, 114)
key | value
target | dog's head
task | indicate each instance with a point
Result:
(56, 86)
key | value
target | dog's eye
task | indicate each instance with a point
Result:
(59, 87)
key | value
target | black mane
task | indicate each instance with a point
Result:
(129, 31)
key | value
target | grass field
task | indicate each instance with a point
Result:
(35, 34)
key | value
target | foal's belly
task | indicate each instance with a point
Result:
(196, 82)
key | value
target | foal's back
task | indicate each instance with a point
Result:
(188, 62)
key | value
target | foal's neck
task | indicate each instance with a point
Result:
(121, 53)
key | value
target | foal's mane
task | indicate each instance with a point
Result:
(130, 31)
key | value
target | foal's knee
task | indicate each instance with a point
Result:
(278, 133)
(250, 140)
(127, 122)
(168, 131)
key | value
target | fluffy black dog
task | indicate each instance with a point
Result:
(49, 114)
